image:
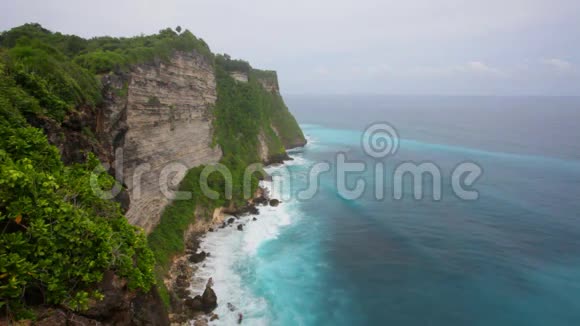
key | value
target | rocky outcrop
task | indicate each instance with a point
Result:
(269, 80)
(294, 142)
(208, 299)
(240, 76)
(263, 149)
(120, 306)
(157, 118)
(184, 307)
(268, 157)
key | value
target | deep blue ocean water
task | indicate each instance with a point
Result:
(511, 257)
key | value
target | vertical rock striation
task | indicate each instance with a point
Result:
(159, 114)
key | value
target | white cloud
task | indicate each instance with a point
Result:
(471, 68)
(481, 68)
(347, 72)
(559, 64)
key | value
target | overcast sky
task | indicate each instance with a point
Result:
(500, 47)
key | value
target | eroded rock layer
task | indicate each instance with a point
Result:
(158, 121)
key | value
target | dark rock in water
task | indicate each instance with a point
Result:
(253, 210)
(198, 257)
(277, 159)
(254, 219)
(261, 200)
(194, 304)
(214, 317)
(245, 210)
(208, 300)
(223, 225)
(231, 307)
(210, 230)
(231, 220)
(274, 202)
(268, 178)
(240, 227)
(192, 244)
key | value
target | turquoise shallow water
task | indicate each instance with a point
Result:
(512, 257)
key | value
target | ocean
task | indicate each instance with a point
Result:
(509, 257)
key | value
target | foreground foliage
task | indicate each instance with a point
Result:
(57, 237)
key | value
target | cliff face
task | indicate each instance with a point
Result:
(269, 80)
(239, 76)
(159, 114)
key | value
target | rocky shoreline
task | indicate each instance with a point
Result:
(198, 307)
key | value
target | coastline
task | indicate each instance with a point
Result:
(189, 275)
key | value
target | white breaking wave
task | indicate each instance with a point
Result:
(231, 255)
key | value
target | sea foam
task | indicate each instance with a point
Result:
(233, 254)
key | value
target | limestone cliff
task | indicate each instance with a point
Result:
(159, 113)
(162, 113)
(269, 80)
(240, 76)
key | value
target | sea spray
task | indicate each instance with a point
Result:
(234, 256)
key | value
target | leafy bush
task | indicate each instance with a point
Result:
(15, 102)
(70, 45)
(100, 62)
(47, 75)
(58, 237)
(105, 54)
(229, 64)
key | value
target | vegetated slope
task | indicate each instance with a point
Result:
(59, 237)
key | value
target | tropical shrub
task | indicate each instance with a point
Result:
(58, 236)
